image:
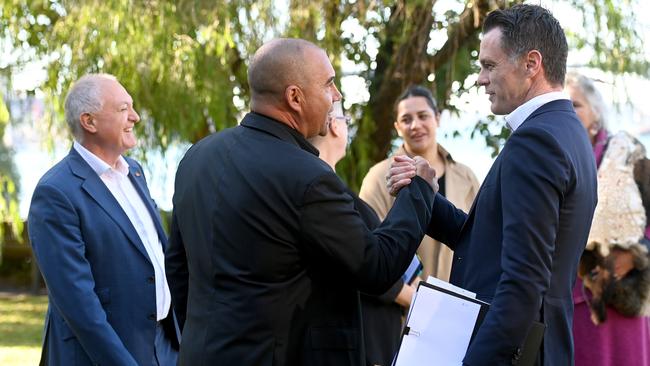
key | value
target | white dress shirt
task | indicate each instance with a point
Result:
(519, 115)
(117, 181)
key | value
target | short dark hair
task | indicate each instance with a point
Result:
(417, 91)
(532, 27)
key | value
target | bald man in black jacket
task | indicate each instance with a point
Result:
(267, 252)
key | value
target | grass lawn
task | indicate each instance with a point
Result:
(21, 327)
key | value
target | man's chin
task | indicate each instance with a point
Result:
(502, 109)
(323, 130)
(497, 110)
(129, 145)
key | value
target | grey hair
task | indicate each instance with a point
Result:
(85, 96)
(586, 86)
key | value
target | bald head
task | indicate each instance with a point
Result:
(278, 64)
(292, 81)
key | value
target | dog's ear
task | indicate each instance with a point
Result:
(588, 261)
(599, 282)
(601, 286)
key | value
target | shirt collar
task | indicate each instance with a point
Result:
(98, 165)
(519, 115)
(281, 130)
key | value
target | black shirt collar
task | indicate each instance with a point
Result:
(278, 129)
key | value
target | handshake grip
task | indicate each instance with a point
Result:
(403, 169)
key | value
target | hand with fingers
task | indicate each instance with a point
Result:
(403, 169)
(426, 172)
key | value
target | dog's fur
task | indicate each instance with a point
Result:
(642, 179)
(629, 295)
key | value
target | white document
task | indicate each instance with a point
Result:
(446, 285)
(440, 328)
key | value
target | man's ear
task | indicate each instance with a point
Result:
(335, 128)
(87, 122)
(294, 97)
(533, 61)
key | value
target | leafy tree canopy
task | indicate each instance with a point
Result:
(184, 62)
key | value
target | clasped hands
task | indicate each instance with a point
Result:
(403, 169)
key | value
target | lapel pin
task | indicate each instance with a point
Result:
(137, 173)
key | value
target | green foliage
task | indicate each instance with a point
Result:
(495, 135)
(8, 182)
(182, 61)
(612, 34)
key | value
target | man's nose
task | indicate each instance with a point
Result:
(337, 94)
(482, 78)
(134, 116)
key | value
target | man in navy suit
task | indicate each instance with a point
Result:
(99, 242)
(518, 248)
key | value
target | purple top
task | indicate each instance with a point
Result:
(619, 340)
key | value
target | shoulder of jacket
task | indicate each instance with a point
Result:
(460, 169)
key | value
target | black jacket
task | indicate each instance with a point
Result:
(275, 251)
(381, 316)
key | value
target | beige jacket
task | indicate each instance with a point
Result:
(461, 188)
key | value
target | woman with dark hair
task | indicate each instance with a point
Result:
(417, 121)
(611, 292)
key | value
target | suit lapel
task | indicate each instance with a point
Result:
(96, 189)
(137, 178)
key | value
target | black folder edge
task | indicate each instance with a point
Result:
(479, 319)
(530, 347)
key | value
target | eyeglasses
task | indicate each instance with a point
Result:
(346, 119)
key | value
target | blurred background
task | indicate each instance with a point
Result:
(185, 61)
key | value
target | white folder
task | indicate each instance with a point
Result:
(439, 327)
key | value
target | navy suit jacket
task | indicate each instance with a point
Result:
(102, 299)
(518, 248)
(267, 251)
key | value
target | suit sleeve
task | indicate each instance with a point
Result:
(371, 219)
(534, 176)
(371, 260)
(59, 248)
(177, 272)
(390, 295)
(446, 222)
